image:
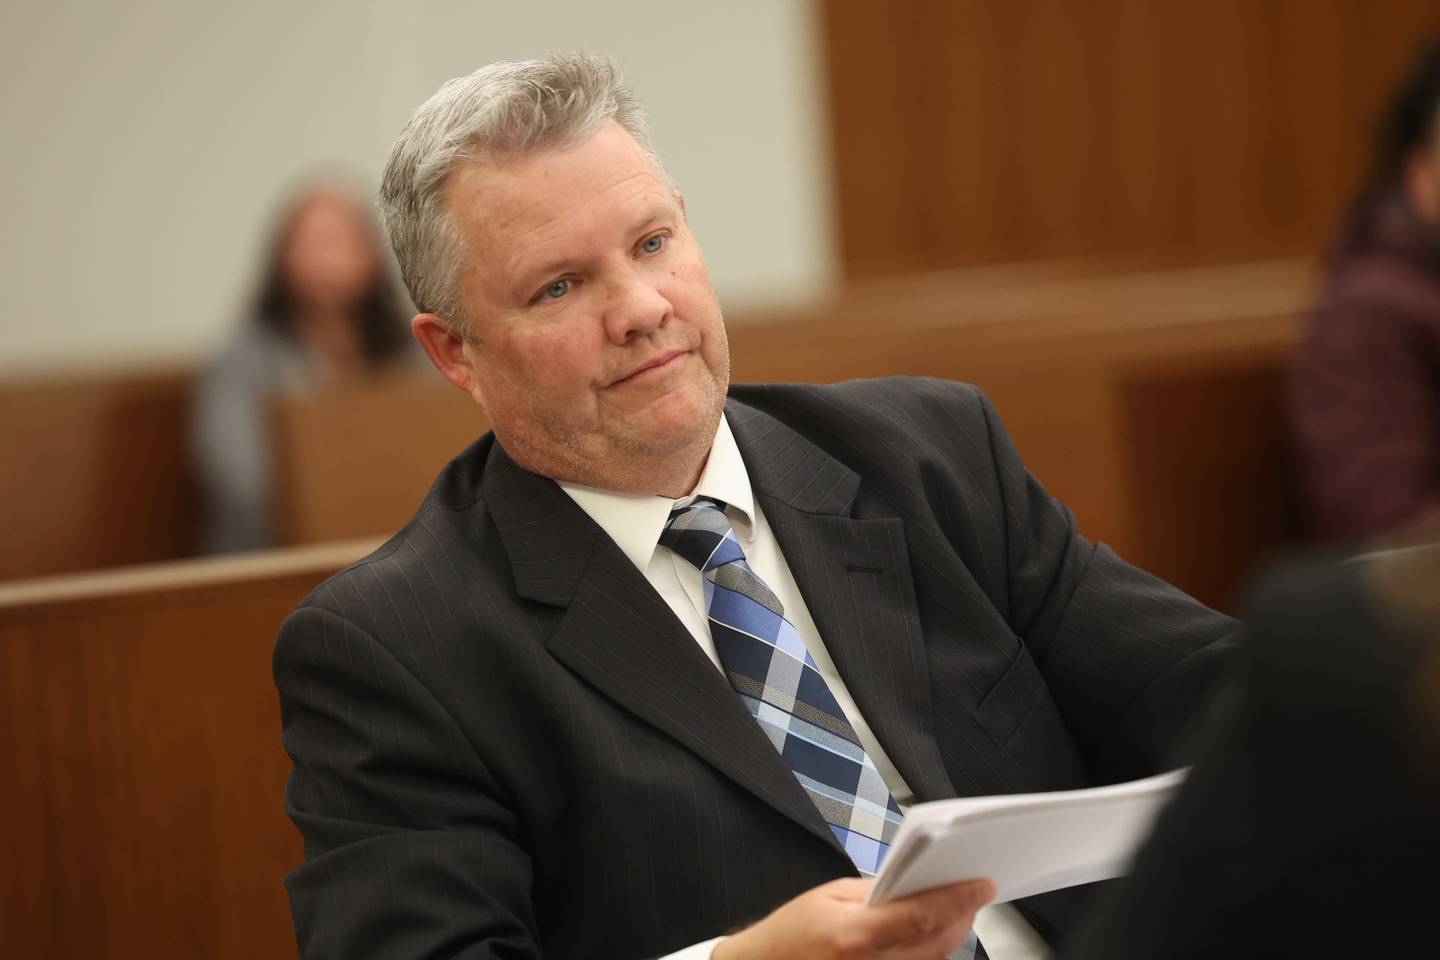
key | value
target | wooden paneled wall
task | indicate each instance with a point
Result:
(984, 131)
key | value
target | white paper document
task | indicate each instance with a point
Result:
(1028, 843)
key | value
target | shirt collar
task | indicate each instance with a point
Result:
(635, 521)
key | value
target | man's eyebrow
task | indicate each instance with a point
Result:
(549, 268)
(552, 268)
(654, 216)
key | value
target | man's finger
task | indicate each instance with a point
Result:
(959, 903)
(954, 897)
(924, 915)
(972, 894)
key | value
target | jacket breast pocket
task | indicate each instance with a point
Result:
(1014, 696)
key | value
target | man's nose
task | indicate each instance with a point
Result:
(633, 306)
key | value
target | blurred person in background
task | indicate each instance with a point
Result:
(325, 312)
(1366, 395)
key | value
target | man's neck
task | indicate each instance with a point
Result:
(670, 479)
(687, 486)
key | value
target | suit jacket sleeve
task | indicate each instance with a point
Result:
(1131, 661)
(411, 848)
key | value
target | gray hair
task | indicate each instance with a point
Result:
(504, 111)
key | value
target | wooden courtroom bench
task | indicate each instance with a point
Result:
(141, 804)
(94, 472)
(356, 461)
(97, 474)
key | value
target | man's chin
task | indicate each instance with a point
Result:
(690, 408)
(661, 439)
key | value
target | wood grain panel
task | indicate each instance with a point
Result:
(1213, 474)
(357, 461)
(97, 471)
(976, 131)
(94, 473)
(141, 806)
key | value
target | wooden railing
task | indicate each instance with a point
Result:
(141, 800)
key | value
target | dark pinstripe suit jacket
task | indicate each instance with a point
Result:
(505, 743)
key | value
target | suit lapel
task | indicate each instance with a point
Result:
(855, 577)
(621, 637)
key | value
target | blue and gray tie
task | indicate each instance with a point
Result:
(778, 682)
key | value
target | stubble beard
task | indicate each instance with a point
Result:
(628, 459)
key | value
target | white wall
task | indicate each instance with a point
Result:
(146, 143)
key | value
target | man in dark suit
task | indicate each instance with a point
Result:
(650, 665)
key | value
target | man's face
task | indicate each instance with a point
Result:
(597, 345)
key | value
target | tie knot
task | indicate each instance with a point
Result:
(701, 533)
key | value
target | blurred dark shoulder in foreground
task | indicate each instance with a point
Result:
(1309, 826)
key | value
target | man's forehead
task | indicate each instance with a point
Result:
(505, 192)
(518, 210)
(553, 210)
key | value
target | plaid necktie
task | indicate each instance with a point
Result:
(780, 685)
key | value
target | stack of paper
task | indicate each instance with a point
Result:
(1027, 843)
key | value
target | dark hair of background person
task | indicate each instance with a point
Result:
(1409, 121)
(379, 312)
(1406, 124)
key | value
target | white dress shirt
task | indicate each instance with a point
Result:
(635, 522)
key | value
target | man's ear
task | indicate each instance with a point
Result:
(448, 350)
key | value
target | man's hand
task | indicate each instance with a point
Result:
(832, 922)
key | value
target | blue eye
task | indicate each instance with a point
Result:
(556, 290)
(653, 244)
